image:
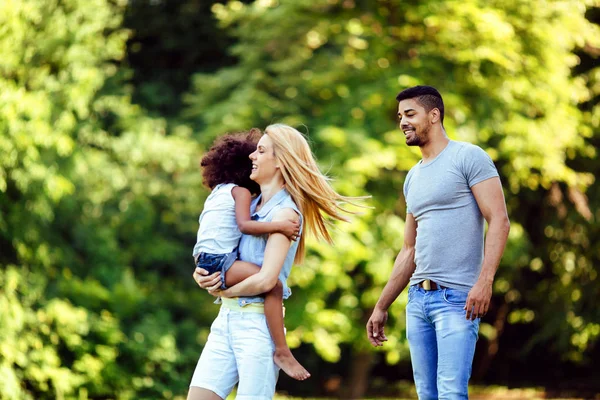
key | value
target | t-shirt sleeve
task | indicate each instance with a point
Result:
(405, 190)
(477, 165)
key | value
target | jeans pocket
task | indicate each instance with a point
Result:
(218, 327)
(411, 291)
(455, 297)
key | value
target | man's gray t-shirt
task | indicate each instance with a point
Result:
(450, 226)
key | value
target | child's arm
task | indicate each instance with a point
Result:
(274, 257)
(242, 199)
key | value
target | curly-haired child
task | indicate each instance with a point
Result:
(226, 170)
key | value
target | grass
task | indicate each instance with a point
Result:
(475, 393)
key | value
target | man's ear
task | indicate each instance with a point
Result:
(434, 115)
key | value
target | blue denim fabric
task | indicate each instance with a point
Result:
(252, 248)
(217, 263)
(442, 342)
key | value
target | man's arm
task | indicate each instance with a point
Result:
(490, 200)
(404, 266)
(275, 253)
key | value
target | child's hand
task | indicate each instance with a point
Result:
(291, 229)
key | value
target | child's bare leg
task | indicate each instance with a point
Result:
(283, 357)
(239, 271)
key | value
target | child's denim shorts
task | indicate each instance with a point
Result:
(217, 263)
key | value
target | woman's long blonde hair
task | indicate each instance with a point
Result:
(309, 188)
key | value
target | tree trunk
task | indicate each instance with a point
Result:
(358, 380)
(492, 346)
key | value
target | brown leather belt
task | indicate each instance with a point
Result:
(428, 284)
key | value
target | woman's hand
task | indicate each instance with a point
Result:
(212, 283)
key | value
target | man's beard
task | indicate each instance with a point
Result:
(419, 139)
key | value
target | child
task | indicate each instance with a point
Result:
(226, 215)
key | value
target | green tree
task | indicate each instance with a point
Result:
(99, 197)
(504, 68)
(97, 210)
(170, 41)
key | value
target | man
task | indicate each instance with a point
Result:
(444, 259)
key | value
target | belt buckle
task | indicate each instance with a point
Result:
(426, 284)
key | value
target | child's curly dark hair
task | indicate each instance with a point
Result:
(227, 160)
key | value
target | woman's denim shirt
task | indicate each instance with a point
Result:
(252, 248)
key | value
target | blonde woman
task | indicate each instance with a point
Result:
(239, 347)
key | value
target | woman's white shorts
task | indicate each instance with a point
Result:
(239, 348)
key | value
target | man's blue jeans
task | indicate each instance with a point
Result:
(442, 342)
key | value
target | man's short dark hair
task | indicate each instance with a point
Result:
(427, 96)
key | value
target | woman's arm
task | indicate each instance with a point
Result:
(275, 253)
(242, 198)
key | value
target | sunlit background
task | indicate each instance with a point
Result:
(106, 107)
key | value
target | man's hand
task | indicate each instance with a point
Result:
(375, 327)
(478, 300)
(208, 282)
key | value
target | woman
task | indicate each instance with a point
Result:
(240, 347)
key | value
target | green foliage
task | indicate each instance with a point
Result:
(99, 197)
(172, 41)
(98, 203)
(504, 68)
(46, 343)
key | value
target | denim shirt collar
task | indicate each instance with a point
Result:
(266, 208)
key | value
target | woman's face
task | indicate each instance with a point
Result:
(264, 164)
